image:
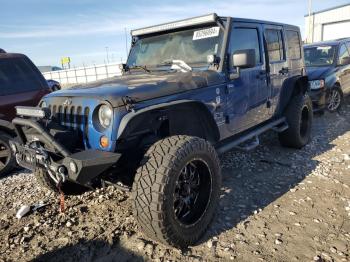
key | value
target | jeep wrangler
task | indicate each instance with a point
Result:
(190, 90)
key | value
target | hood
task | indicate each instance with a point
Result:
(142, 86)
(315, 73)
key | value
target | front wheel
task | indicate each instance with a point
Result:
(334, 99)
(299, 117)
(7, 159)
(176, 190)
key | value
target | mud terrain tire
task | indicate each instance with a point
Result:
(299, 117)
(172, 169)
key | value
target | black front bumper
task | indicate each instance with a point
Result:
(88, 164)
(318, 98)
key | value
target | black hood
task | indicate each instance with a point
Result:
(142, 86)
(316, 73)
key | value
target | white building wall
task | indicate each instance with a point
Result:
(314, 24)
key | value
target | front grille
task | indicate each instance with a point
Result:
(72, 117)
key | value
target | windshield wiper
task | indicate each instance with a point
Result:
(177, 65)
(144, 68)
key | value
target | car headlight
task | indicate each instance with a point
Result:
(316, 84)
(105, 114)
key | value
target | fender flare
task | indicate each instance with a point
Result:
(129, 117)
(291, 86)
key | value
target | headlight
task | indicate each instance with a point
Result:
(105, 114)
(316, 84)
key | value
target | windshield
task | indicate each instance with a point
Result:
(17, 76)
(191, 46)
(319, 55)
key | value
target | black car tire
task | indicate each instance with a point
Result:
(7, 159)
(170, 170)
(334, 99)
(299, 117)
(45, 181)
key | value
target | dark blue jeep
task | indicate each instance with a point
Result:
(328, 69)
(190, 90)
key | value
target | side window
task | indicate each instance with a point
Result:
(245, 38)
(343, 52)
(294, 48)
(274, 42)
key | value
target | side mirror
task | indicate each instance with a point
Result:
(244, 58)
(345, 61)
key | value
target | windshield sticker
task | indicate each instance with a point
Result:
(324, 47)
(206, 33)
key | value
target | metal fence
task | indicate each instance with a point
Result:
(84, 74)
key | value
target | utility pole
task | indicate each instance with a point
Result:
(107, 54)
(311, 29)
(126, 43)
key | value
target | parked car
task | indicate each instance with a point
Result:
(190, 90)
(328, 69)
(20, 84)
(54, 85)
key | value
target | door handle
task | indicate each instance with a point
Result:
(284, 71)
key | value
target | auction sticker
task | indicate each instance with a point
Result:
(206, 33)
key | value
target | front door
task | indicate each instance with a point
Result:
(247, 95)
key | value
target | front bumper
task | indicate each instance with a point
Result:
(318, 98)
(80, 167)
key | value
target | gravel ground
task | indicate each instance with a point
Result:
(277, 204)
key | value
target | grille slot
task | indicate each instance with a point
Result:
(72, 117)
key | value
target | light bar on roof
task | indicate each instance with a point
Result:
(174, 25)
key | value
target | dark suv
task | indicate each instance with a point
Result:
(21, 83)
(328, 69)
(190, 90)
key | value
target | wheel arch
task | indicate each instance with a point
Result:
(185, 117)
(291, 87)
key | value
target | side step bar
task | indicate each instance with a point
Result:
(278, 125)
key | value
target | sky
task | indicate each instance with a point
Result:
(86, 30)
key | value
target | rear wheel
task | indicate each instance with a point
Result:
(176, 190)
(7, 159)
(299, 117)
(334, 99)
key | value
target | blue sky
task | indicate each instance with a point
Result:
(47, 30)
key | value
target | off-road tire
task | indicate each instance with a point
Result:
(68, 188)
(10, 162)
(299, 117)
(44, 180)
(154, 185)
(337, 89)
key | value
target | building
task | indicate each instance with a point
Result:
(44, 69)
(329, 24)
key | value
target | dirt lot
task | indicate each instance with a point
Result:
(277, 204)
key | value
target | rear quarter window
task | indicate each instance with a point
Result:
(293, 42)
(18, 76)
(274, 41)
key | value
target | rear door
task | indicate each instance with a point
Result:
(20, 84)
(247, 95)
(277, 63)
